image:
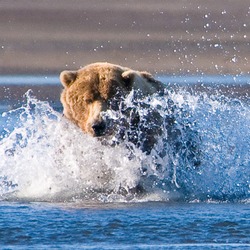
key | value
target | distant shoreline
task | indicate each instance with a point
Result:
(180, 37)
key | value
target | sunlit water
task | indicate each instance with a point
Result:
(45, 158)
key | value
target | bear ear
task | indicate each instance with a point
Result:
(128, 76)
(147, 76)
(68, 77)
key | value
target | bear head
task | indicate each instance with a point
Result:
(98, 87)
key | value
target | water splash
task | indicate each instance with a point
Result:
(44, 157)
(224, 127)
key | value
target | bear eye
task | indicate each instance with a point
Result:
(88, 101)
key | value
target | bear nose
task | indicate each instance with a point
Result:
(99, 128)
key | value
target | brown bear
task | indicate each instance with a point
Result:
(98, 87)
(91, 92)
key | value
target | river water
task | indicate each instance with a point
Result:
(61, 189)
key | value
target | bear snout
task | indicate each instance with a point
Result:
(99, 128)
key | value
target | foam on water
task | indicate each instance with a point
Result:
(44, 157)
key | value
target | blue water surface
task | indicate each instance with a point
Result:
(151, 225)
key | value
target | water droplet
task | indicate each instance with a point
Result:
(234, 59)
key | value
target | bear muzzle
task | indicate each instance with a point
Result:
(99, 128)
